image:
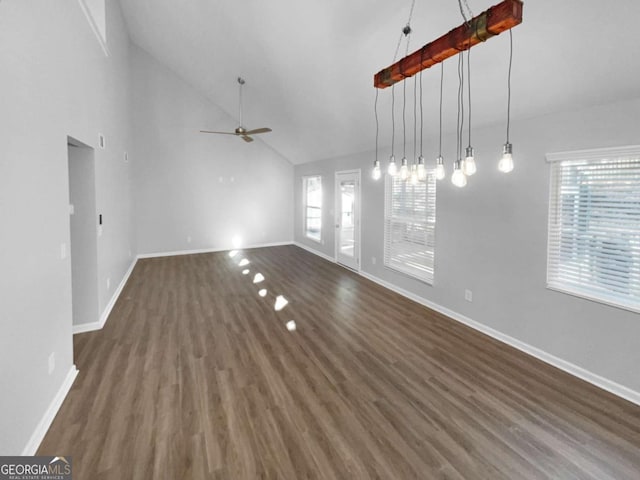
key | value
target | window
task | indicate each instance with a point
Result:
(594, 225)
(312, 191)
(409, 227)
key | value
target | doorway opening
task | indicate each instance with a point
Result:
(84, 235)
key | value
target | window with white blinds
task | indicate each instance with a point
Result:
(594, 225)
(409, 226)
(312, 191)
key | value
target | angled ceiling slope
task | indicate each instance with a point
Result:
(309, 66)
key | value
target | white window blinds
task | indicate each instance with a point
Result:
(594, 225)
(409, 227)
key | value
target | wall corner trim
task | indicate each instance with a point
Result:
(90, 327)
(45, 422)
(568, 367)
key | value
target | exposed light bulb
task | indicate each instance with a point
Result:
(376, 174)
(440, 172)
(404, 169)
(458, 178)
(393, 169)
(505, 164)
(422, 170)
(413, 179)
(469, 167)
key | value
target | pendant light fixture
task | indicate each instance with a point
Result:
(474, 30)
(503, 16)
(505, 164)
(458, 178)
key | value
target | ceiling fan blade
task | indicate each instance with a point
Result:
(258, 130)
(247, 139)
(221, 133)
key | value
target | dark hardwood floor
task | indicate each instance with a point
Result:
(195, 376)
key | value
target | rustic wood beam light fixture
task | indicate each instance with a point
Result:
(495, 20)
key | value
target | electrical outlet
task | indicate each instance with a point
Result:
(189, 239)
(374, 260)
(72, 209)
(468, 295)
(52, 362)
(63, 251)
(108, 283)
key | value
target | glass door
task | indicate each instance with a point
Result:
(347, 215)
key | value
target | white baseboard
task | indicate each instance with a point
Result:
(315, 252)
(90, 327)
(45, 422)
(208, 250)
(575, 370)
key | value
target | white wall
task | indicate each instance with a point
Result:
(55, 81)
(209, 188)
(491, 237)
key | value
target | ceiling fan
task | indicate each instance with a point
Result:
(241, 131)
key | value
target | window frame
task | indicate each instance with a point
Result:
(594, 289)
(411, 223)
(306, 206)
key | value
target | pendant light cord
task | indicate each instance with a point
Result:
(464, 16)
(393, 119)
(458, 116)
(404, 124)
(460, 104)
(406, 29)
(469, 88)
(406, 32)
(509, 83)
(421, 115)
(441, 85)
(375, 111)
(415, 117)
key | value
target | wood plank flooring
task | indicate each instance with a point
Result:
(195, 376)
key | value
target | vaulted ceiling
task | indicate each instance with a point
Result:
(309, 65)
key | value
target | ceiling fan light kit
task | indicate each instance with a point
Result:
(240, 131)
